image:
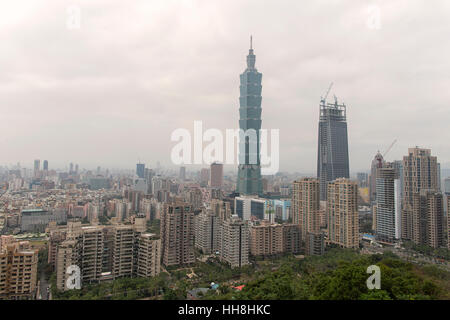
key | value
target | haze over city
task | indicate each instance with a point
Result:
(111, 92)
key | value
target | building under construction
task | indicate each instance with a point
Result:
(332, 157)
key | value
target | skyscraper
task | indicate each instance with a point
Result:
(45, 165)
(216, 180)
(140, 170)
(332, 154)
(342, 207)
(249, 172)
(37, 167)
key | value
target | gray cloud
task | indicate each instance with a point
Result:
(112, 92)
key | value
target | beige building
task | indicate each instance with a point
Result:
(18, 270)
(56, 237)
(448, 222)
(107, 252)
(207, 231)
(428, 219)
(419, 173)
(216, 180)
(266, 238)
(315, 243)
(292, 238)
(342, 208)
(149, 256)
(306, 205)
(234, 243)
(221, 208)
(177, 234)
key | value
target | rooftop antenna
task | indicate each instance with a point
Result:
(251, 42)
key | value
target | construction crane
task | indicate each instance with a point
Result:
(324, 99)
(390, 147)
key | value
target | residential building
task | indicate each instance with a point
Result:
(420, 172)
(306, 205)
(266, 238)
(18, 271)
(234, 243)
(177, 234)
(342, 207)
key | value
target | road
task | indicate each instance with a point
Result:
(43, 286)
(407, 255)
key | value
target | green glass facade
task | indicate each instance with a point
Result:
(249, 172)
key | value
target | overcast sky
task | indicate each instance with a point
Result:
(111, 92)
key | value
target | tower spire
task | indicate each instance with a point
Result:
(251, 57)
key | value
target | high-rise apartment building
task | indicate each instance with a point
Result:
(221, 208)
(216, 170)
(249, 173)
(306, 205)
(292, 238)
(342, 207)
(149, 255)
(18, 270)
(387, 216)
(107, 252)
(234, 243)
(266, 238)
(428, 218)
(332, 154)
(177, 234)
(315, 244)
(207, 231)
(419, 173)
(448, 223)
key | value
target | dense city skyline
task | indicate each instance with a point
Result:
(147, 155)
(130, 84)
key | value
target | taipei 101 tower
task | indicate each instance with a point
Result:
(249, 173)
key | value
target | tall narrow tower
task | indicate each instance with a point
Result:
(249, 172)
(332, 155)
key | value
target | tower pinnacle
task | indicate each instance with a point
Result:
(251, 56)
